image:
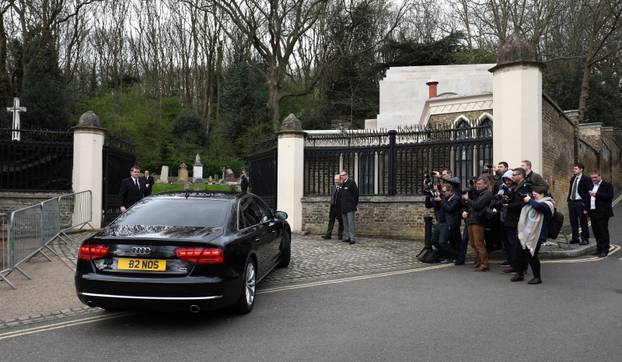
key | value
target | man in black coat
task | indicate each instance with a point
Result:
(601, 210)
(132, 189)
(349, 199)
(335, 210)
(452, 207)
(578, 204)
(148, 180)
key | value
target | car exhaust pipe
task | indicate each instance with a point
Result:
(195, 308)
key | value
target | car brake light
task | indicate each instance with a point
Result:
(201, 256)
(92, 251)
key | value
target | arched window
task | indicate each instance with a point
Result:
(485, 126)
(463, 130)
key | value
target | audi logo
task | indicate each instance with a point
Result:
(140, 250)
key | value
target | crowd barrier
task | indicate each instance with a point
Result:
(30, 230)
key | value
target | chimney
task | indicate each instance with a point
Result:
(432, 88)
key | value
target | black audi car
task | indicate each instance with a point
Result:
(191, 251)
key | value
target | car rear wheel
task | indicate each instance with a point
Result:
(286, 250)
(246, 299)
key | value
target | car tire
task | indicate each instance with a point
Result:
(248, 289)
(286, 250)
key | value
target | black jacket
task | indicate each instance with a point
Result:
(512, 213)
(452, 208)
(349, 196)
(439, 212)
(148, 184)
(584, 187)
(335, 203)
(536, 179)
(129, 193)
(604, 198)
(477, 207)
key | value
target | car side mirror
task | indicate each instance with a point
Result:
(281, 215)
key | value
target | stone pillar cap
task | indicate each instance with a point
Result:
(89, 120)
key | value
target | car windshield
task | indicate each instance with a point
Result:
(176, 212)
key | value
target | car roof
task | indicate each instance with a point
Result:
(202, 195)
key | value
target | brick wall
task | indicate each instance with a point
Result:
(398, 217)
(558, 134)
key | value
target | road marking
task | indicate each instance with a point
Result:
(51, 327)
(350, 279)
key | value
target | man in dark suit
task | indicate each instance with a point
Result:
(349, 199)
(578, 204)
(132, 189)
(335, 210)
(601, 210)
(148, 180)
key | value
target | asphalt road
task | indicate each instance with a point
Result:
(444, 314)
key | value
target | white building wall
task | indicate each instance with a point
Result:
(403, 91)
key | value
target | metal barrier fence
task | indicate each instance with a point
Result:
(4, 246)
(30, 230)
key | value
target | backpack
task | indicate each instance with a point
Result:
(427, 255)
(555, 225)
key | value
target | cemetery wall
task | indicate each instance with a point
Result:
(399, 217)
(10, 201)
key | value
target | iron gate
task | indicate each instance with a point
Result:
(263, 175)
(118, 158)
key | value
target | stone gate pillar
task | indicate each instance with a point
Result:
(88, 144)
(290, 168)
(517, 105)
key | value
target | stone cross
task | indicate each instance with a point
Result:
(15, 134)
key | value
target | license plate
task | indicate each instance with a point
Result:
(141, 264)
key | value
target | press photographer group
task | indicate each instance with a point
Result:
(510, 209)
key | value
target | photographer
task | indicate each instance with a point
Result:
(446, 177)
(501, 201)
(439, 235)
(452, 206)
(468, 194)
(514, 206)
(533, 228)
(476, 221)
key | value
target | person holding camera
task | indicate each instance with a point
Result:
(446, 176)
(452, 206)
(513, 210)
(533, 229)
(500, 202)
(476, 220)
(334, 212)
(439, 235)
(532, 177)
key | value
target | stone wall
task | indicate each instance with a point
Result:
(558, 135)
(10, 201)
(398, 217)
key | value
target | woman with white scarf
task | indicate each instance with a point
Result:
(533, 228)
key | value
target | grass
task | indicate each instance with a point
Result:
(179, 186)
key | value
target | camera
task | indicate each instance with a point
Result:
(428, 186)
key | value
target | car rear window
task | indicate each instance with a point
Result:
(176, 212)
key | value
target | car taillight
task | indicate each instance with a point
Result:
(92, 251)
(201, 256)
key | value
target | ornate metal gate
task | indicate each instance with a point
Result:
(263, 175)
(118, 158)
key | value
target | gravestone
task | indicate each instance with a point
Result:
(182, 173)
(230, 176)
(197, 169)
(164, 174)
